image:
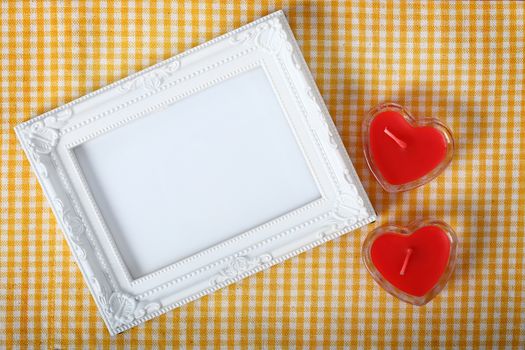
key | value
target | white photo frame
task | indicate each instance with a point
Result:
(195, 173)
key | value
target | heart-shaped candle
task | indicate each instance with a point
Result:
(402, 152)
(412, 263)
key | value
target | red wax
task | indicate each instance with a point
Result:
(425, 148)
(427, 261)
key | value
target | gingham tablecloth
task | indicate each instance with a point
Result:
(461, 62)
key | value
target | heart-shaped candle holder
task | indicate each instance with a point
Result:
(412, 263)
(403, 152)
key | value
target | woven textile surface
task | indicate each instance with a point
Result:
(460, 62)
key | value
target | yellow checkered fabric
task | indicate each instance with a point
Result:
(460, 62)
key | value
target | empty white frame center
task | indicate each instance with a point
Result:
(205, 170)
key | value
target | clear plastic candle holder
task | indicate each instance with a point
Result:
(409, 147)
(405, 256)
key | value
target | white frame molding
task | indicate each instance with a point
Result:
(124, 301)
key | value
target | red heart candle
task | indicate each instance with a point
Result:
(413, 263)
(402, 152)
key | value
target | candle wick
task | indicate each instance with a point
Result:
(401, 143)
(405, 263)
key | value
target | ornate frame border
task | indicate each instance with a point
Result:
(120, 309)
